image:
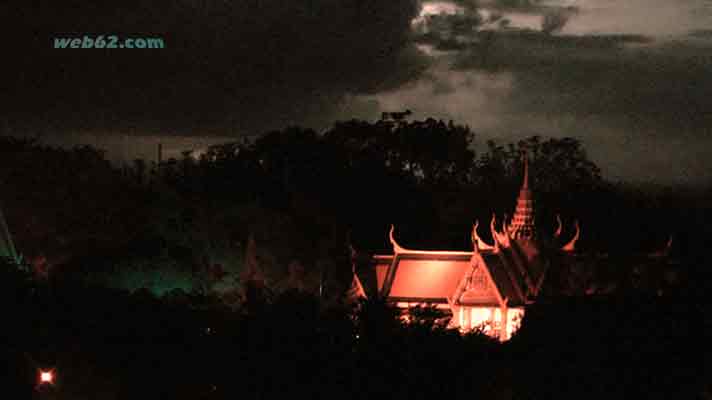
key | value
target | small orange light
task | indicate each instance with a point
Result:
(46, 377)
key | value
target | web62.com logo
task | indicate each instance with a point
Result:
(108, 42)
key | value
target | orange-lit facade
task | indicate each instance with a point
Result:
(486, 288)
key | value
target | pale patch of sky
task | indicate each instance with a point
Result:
(625, 148)
(656, 18)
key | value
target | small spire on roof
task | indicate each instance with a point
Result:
(396, 247)
(571, 245)
(493, 230)
(477, 241)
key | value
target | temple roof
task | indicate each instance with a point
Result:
(434, 276)
(513, 263)
(423, 277)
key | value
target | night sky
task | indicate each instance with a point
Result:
(631, 78)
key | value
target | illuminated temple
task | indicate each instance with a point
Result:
(486, 288)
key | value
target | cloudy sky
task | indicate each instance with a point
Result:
(631, 78)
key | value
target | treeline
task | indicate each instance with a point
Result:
(299, 193)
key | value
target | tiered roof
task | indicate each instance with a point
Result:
(508, 272)
(522, 226)
(441, 277)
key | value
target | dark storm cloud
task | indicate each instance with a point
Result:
(242, 65)
(518, 6)
(627, 77)
(667, 85)
(701, 33)
(639, 103)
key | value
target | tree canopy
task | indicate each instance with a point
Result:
(299, 191)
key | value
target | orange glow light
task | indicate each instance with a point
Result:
(428, 278)
(46, 377)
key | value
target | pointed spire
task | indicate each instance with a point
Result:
(522, 224)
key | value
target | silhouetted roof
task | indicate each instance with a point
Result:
(504, 278)
(7, 248)
(373, 274)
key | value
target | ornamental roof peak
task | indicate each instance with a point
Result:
(522, 224)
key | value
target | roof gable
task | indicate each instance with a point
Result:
(477, 288)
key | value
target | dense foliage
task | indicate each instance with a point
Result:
(178, 230)
(183, 223)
